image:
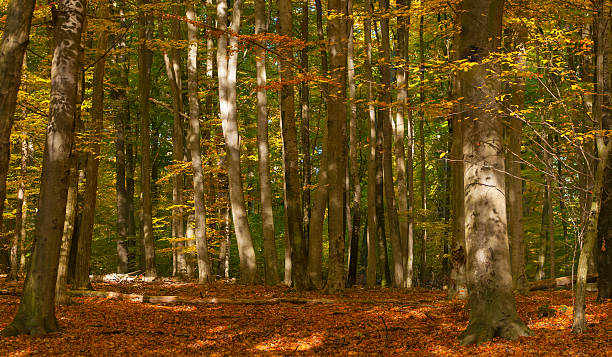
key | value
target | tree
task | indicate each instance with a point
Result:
(36, 312)
(336, 141)
(193, 140)
(15, 38)
(20, 213)
(227, 100)
(602, 118)
(492, 307)
(81, 278)
(145, 59)
(604, 239)
(263, 152)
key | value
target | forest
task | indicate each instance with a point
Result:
(233, 177)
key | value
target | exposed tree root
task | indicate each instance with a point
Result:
(482, 332)
(33, 327)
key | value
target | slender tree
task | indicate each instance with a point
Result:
(336, 141)
(15, 38)
(193, 140)
(145, 59)
(36, 312)
(263, 155)
(227, 67)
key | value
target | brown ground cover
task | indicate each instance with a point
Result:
(382, 322)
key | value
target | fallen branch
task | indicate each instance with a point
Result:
(564, 281)
(176, 300)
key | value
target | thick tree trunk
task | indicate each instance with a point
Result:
(372, 222)
(355, 183)
(36, 312)
(81, 278)
(227, 99)
(293, 206)
(263, 154)
(336, 142)
(15, 38)
(20, 229)
(145, 59)
(193, 140)
(492, 306)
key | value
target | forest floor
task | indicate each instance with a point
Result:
(361, 321)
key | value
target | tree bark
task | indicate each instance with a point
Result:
(423, 235)
(293, 206)
(61, 298)
(604, 239)
(405, 195)
(193, 140)
(263, 153)
(36, 312)
(15, 39)
(513, 179)
(81, 278)
(372, 223)
(20, 229)
(121, 127)
(319, 205)
(227, 99)
(602, 119)
(145, 59)
(355, 183)
(336, 142)
(492, 306)
(305, 125)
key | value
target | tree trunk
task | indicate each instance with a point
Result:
(372, 222)
(384, 115)
(263, 155)
(193, 139)
(423, 271)
(20, 231)
(513, 178)
(405, 196)
(292, 181)
(315, 231)
(355, 183)
(15, 38)
(81, 278)
(604, 239)
(492, 306)
(336, 142)
(305, 126)
(61, 297)
(602, 119)
(227, 98)
(540, 273)
(121, 127)
(36, 312)
(145, 59)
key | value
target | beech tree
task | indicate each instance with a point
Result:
(489, 279)
(36, 313)
(12, 49)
